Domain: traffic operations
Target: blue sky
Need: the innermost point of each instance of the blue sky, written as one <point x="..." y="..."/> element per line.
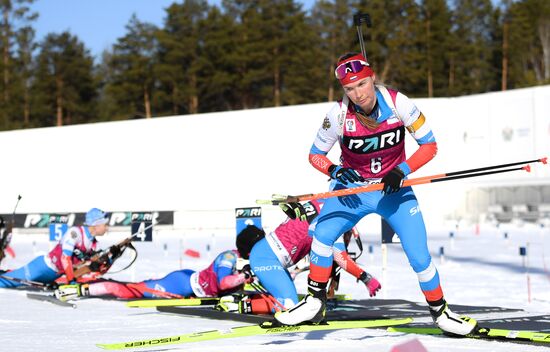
<point x="99" y="23"/>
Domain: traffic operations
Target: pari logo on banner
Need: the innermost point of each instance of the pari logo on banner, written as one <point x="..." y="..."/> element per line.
<point x="44" y="219"/>
<point x="116" y="218"/>
<point x="127" y="218"/>
<point x="142" y="226"/>
<point x="59" y="224"/>
<point x="248" y="216"/>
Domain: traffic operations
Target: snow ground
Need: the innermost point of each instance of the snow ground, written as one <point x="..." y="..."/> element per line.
<point x="483" y="270"/>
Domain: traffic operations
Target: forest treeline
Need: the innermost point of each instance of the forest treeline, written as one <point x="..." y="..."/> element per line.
<point x="244" y="54"/>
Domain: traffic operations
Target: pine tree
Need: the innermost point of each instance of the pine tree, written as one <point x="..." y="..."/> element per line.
<point x="250" y="55"/>
<point x="470" y="67"/>
<point x="179" y="45"/>
<point x="132" y="65"/>
<point x="64" y="84"/>
<point x="394" y="41"/>
<point x="332" y="20"/>
<point x="24" y="62"/>
<point x="436" y="17"/>
<point x="303" y="67"/>
<point x="16" y="17"/>
<point x="529" y="31"/>
<point x="218" y="62"/>
<point x="287" y="64"/>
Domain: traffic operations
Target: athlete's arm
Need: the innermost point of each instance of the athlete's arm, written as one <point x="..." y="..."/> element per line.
<point x="416" y="124"/>
<point x="342" y="258"/>
<point x="68" y="243"/>
<point x="227" y="274"/>
<point x="67" y="264"/>
<point x="232" y="281"/>
<point x="326" y="137"/>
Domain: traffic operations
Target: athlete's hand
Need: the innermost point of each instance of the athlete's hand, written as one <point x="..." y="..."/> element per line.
<point x="248" y="275"/>
<point x="294" y="210"/>
<point x="351" y="201"/>
<point x="345" y="175"/>
<point x="372" y="284"/>
<point x="95" y="266"/>
<point x="115" y="251"/>
<point x="393" y="181"/>
<point x="303" y="211"/>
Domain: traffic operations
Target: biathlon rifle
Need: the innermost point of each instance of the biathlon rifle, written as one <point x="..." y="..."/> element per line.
<point x="103" y="260"/>
<point x="5" y="237"/>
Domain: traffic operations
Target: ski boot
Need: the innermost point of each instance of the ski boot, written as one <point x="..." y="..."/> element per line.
<point x="451" y="323"/>
<point x="309" y="310"/>
<point x="70" y="292"/>
<point x="234" y="304"/>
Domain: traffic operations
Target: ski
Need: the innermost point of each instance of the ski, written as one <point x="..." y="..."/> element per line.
<point x="338" y="297"/>
<point x="209" y="313"/>
<point x="170" y="302"/>
<point x="51" y="299"/>
<point x="253" y="330"/>
<point x="485" y="333"/>
<point x="193" y="302"/>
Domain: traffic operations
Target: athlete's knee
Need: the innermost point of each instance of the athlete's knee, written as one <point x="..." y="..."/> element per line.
<point x="420" y="263"/>
<point x="325" y="235"/>
<point x="321" y="249"/>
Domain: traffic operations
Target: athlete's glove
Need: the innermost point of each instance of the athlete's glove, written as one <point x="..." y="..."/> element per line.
<point x="344" y="174"/>
<point x="304" y="212"/>
<point x="115" y="251"/>
<point x="351" y="201"/>
<point x="393" y="181"/>
<point x="372" y="284"/>
<point x="99" y="266"/>
<point x="95" y="266"/>
<point x="294" y="210"/>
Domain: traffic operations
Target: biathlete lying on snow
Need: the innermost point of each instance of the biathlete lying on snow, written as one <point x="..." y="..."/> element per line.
<point x="77" y="245"/>
<point x="272" y="254"/>
<point x="220" y="278"/>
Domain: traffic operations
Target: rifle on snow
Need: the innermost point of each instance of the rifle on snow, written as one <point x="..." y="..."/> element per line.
<point x="5" y="237"/>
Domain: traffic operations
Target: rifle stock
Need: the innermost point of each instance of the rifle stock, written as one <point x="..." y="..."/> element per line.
<point x="5" y="239"/>
<point x="103" y="257"/>
<point x="6" y="236"/>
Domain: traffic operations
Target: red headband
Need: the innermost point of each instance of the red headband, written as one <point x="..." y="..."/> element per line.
<point x="351" y="74"/>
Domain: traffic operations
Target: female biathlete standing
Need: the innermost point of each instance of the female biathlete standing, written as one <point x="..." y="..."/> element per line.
<point x="369" y="124"/>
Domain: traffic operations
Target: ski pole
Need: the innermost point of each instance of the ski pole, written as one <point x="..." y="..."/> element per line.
<point x="27" y="282"/>
<point x="493" y="167"/>
<point x="278" y="199"/>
